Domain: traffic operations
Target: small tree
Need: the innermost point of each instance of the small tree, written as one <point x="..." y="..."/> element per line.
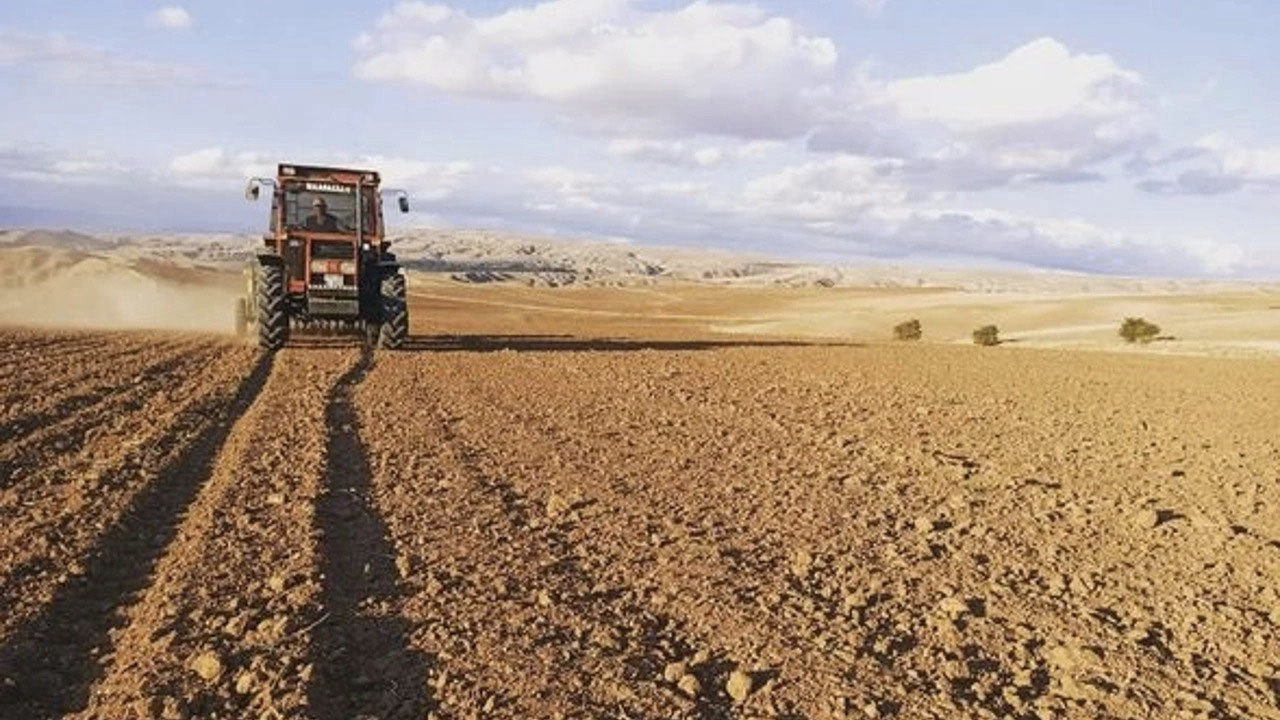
<point x="1135" y="329"/>
<point x="909" y="330"/>
<point x="986" y="335"/>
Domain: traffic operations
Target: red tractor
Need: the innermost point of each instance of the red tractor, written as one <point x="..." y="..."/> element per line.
<point x="325" y="266"/>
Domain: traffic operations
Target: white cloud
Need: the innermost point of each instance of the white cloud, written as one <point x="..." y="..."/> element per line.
<point x="426" y="180"/>
<point x="217" y="167"/>
<point x="757" y="149"/>
<point x="170" y="17"/>
<point x="657" y="79"/>
<point x="1071" y="243"/>
<point x="836" y="188"/>
<point x="838" y="204"/>
<point x="65" y="60"/>
<point x="44" y="165"/>
<point x="853" y="204"/>
<point x="666" y="152"/>
<point x="1257" y="164"/>
<point x="718" y="68"/>
<point x="1039" y="114"/>
<point x="214" y="166"/>
<point x="691" y="155"/>
<point x="834" y="204"/>
<point x="1219" y="164"/>
<point x="1039" y="82"/>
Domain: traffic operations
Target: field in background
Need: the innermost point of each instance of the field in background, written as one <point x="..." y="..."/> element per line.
<point x="1239" y="324"/>
<point x="70" y="280"/>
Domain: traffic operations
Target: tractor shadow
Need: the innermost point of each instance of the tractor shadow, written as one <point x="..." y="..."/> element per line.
<point x="49" y="664"/>
<point x="550" y="343"/>
<point x="573" y="343"/>
<point x="365" y="666"/>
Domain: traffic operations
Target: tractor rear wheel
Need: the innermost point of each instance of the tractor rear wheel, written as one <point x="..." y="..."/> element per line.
<point x="395" y="312"/>
<point x="273" y="320"/>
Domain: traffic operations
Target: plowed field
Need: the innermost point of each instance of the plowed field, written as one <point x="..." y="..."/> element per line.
<point x="572" y="521"/>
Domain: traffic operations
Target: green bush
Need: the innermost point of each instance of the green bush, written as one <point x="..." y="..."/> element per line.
<point x="909" y="330"/>
<point x="1138" y="330"/>
<point x="986" y="335"/>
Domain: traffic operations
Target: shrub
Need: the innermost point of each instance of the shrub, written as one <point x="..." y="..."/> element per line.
<point x="986" y="335"/>
<point x="1138" y="330"/>
<point x="909" y="330"/>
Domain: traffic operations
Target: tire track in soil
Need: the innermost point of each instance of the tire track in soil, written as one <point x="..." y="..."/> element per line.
<point x="224" y="629"/>
<point x="46" y="400"/>
<point x="23" y="355"/>
<point x="24" y="351"/>
<point x="47" y="419"/>
<point x="630" y="640"/>
<point x="27" y="341"/>
<point x="687" y="527"/>
<point x="521" y="621"/>
<point x="365" y="667"/>
<point x="33" y="366"/>
<point x="64" y="502"/>
<point x="47" y="667"/>
<point x="604" y="601"/>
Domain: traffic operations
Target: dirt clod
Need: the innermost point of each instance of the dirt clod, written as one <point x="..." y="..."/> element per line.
<point x="1146" y="518"/>
<point x="801" y="563"/>
<point x="557" y="506"/>
<point x="207" y="666"/>
<point x="689" y="685"/>
<point x="739" y="685"/>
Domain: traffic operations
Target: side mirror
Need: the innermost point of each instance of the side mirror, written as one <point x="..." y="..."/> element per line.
<point x="252" y="190"/>
<point x="404" y="203"/>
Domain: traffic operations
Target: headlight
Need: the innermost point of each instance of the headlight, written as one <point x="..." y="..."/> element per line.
<point x="344" y="267"/>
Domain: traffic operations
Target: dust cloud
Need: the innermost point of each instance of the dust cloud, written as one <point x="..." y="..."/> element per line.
<point x="49" y="287"/>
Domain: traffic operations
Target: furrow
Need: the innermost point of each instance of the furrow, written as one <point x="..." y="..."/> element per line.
<point x="55" y="408"/>
<point x="48" y="663"/>
<point x="224" y="629"/>
<point x="60" y="506"/>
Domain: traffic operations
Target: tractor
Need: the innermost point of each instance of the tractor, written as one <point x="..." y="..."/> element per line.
<point x="325" y="266"/>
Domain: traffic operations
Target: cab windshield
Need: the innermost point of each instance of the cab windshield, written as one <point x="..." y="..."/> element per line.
<point x="324" y="207"/>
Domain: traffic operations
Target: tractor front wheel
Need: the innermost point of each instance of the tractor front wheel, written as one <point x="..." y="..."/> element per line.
<point x="273" y="320"/>
<point x="395" y="312"/>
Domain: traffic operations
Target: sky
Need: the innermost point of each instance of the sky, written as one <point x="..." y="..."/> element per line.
<point x="1136" y="138"/>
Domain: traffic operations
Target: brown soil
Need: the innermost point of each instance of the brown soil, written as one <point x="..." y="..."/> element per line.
<point x="541" y="514"/>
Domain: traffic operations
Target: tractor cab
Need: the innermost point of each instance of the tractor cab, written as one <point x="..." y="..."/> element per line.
<point x="326" y="245"/>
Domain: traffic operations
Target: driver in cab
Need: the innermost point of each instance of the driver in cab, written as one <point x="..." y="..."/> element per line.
<point x="320" y="220"/>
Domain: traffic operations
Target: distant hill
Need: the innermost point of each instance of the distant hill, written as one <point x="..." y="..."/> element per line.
<point x="61" y="239"/>
<point x="489" y="256"/>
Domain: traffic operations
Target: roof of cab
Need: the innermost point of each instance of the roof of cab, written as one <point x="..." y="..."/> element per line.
<point x="311" y="171"/>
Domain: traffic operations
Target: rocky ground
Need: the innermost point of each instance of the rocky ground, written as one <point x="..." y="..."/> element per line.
<point x="530" y="515"/>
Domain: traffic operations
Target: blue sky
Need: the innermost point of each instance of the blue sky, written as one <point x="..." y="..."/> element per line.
<point x="1134" y="137"/>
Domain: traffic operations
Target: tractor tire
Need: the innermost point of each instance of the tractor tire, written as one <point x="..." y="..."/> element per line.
<point x="395" y="313"/>
<point x="242" y="318"/>
<point x="273" y="318"/>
